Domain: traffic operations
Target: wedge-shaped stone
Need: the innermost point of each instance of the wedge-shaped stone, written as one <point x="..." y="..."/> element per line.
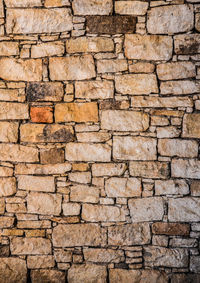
<point x="146" y="209"/>
<point x="136" y="8"/>
<point x="123" y="187"/>
<point x="129" y="234"/>
<point x="13" y="111"/>
<point x="7" y="186"/>
<point x="170" y="19"/>
<point x="171" y="187"/>
<point x="76" y="112"/>
<point x="36" y="183"/>
<point x="108" y="169"/>
<point x="9" y="48"/>
<point x="22" y="3"/>
<point x="121" y="120"/>
<point x="38" y="169"/>
<point x="87" y="152"/>
<point x="84" y="193"/>
<point x="183" y="168"/>
<point x="180" y="87"/>
<point x="30" y="246"/>
<point x="184" y="209"/>
<point x="191" y="124"/>
<point x="170" y="257"/>
<point x="70" y="235"/>
<point x="178" y="147"/>
<point x="87" y="273"/>
<point x="72" y="68"/>
<point x="44" y="203"/>
<point x="47" y="275"/>
<point x="12" y="270"/>
<point x="35" y="133"/>
<point x="47" y="49"/>
<point x="23" y="21"/>
<point x="136" y="84"/>
<point x="187" y="43"/>
<point x="148" y="47"/>
<point x="89" y="44"/>
<point x="92" y="7"/>
<point x="143" y="276"/>
<point x="134" y="148"/>
<point x="9" y="131"/>
<point x="18" y="153"/>
<point x="103" y="255"/>
<point x="12" y="69"/>
<point x="176" y="70"/>
<point x="103" y="213"/>
<point x="94" y="89"/>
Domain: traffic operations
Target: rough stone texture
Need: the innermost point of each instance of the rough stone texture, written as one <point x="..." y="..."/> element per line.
<point x="123" y="187"/>
<point x="171" y="187"/>
<point x="8" y="131"/>
<point x="185" y="168"/>
<point x="32" y="246"/>
<point x="7" y="186"/>
<point x="92" y="7"/>
<point x="103" y="255"/>
<point x="176" y="70"/>
<point x="36" y="183"/>
<point x="22" y="3"/>
<point x="108" y="169"/>
<point x="42" y="275"/>
<point x="83" y="193"/>
<point x="9" y="48"/>
<point x="136" y="8"/>
<point x="48" y="91"/>
<point x="41" y="114"/>
<point x="12" y="270"/>
<point x="172" y="229"/>
<point x="154" y="170"/>
<point x="187" y="43"/>
<point x="191" y="125"/>
<point x="18" y="153"/>
<point x="47" y="49"/>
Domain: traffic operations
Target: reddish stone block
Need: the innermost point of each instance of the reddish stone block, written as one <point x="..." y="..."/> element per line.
<point x="41" y="114"/>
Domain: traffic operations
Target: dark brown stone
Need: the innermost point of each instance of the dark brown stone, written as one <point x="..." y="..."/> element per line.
<point x="47" y="276"/>
<point x="48" y="91"/>
<point x="187" y="44"/>
<point x="110" y="104"/>
<point x="172" y="229"/>
<point x="4" y="251"/>
<point x="195" y="188"/>
<point x="110" y="24"/>
<point x="185" y="278"/>
<point x="52" y="156"/>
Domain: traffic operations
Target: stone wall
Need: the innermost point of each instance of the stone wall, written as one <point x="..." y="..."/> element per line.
<point x="99" y="141"/>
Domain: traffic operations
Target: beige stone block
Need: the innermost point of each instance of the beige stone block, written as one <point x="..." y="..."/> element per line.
<point x="185" y="168"/>
<point x="171" y="187"/>
<point x="6" y="222"/>
<point x="36" y="183"/>
<point x="9" y="48"/>
<point x="123" y="187"/>
<point x="13" y="111"/>
<point x="22" y="3"/>
<point x="47" y="49"/>
<point x="70" y="209"/>
<point x="92" y="7"/>
<point x="93" y="137"/>
<point x="103" y="255"/>
<point x="180" y="87"/>
<point x="136" y="8"/>
<point x="12" y="270"/>
<point x="84" y="193"/>
<point x="80" y="177"/>
<point x="9" y="131"/>
<point x="191" y="125"/>
<point x="40" y="261"/>
<point x="108" y="169"/>
<point x="112" y="66"/>
<point x="38" y="169"/>
<point x="141" y="67"/>
<point x="7" y="187"/>
<point x="176" y="70"/>
<point x="30" y="246"/>
<point x="56" y="3"/>
<point x="2" y="206"/>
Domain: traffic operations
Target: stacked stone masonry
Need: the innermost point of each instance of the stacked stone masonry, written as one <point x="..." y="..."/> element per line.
<point x="99" y="141"/>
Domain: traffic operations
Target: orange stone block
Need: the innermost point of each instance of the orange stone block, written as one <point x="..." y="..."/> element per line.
<point x="41" y="114"/>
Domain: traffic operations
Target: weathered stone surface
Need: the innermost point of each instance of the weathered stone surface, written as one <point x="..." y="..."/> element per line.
<point x="178" y="147"/>
<point x="6" y="222"/>
<point x="56" y="3"/>
<point x="171" y="187"/>
<point x="191" y="125"/>
<point x="180" y="87"/>
<point x="2" y="206"/>
<point x="93" y="137"/>
<point x="71" y="68"/>
<point x="136" y="8"/>
<point x="197" y="21"/>
<point x="195" y="264"/>
<point x="148" y="47"/>
<point x="40" y="261"/>
<point x="36" y="183"/>
<point x="9" y="48"/>
<point x="185" y="168"/>
<point x="146" y="209"/>
<point x="195" y="188"/>
<point x="41" y="114"/>
<point x="22" y="3"/>
<point x="13" y="111"/>
<point x="13" y="270"/>
<point x="77" y="112"/>
<point x="46" y="275"/>
<point x="184" y="209"/>
<point x="92" y="7"/>
<point x="84" y="193"/>
<point x="136" y="84"/>
<point x="110" y="24"/>
<point x="134" y="148"/>
<point x="183" y="243"/>
<point x="18" y="153"/>
<point x="45" y="91"/>
<point x="89" y="44"/>
<point x="80" y="177"/>
<point x="112" y="66"/>
<point x="170" y="257"/>
<point x="30" y="246"/>
<point x="63" y="256"/>
<point x="123" y="187"/>
<point x="124" y="120"/>
<point x="47" y="49"/>
<point x="144" y="276"/>
<point x="87" y="273"/>
<point x="23" y="21"/>
<point x="94" y="89"/>
<point x="185" y="277"/>
<point x="108" y="169"/>
<point x="38" y="169"/>
<point x="129" y="234"/>
<point x="176" y="70"/>
<point x="87" y="152"/>
<point x="52" y="156"/>
<point x="70" y="209"/>
<point x="43" y="203"/>
<point x="66" y="235"/>
<point x="142" y="67"/>
<point x="11" y="95"/>
<point x="7" y="186"/>
<point x="34" y="133"/>
<point x="6" y="171"/>
<point x="187" y="43"/>
<point x="170" y="19"/>
<point x="171" y="229"/>
<point x="154" y="170"/>
<point x="96" y="213"/>
<point x="8" y="131"/>
<point x="103" y="255"/>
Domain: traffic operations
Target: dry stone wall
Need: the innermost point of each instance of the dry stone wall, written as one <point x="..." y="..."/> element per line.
<point x="99" y="141"/>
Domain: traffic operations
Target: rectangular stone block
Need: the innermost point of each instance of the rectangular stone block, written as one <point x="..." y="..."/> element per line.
<point x="187" y="43"/>
<point x="148" y="47"/>
<point x="108" y="169"/>
<point x="154" y="170"/>
<point x="184" y="209"/>
<point x="47" y="49"/>
<point x="65" y="235"/>
<point x="123" y="187"/>
<point x="38" y="169"/>
<point x="36" y="183"/>
<point x="30" y="246"/>
<point x="12" y="69"/>
<point x="110" y="24"/>
<point x="136" y="8"/>
<point x="9" y="131"/>
<point x="40" y="261"/>
<point x="72" y="68"/>
<point x="22" y="3"/>
<point x="183" y="168"/>
<point x="76" y="112"/>
<point x="6" y="222"/>
<point x="134" y="148"/>
<point x="171" y="229"/>
<point x="176" y="70"/>
<point x="7" y="187"/>
<point x="13" y="111"/>
<point x="171" y="187"/>
<point x="122" y="120"/>
<point x="112" y="65"/>
<point x="84" y="193"/>
<point x="42" y="275"/>
<point x="191" y="125"/>
<point x="9" y="48"/>
<point x="34" y="133"/>
<point x="181" y="87"/>
<point x="2" y="206"/>
<point x="13" y="269"/>
<point x="136" y="84"/>
<point x="92" y="7"/>
<point x="195" y="188"/>
<point x="103" y="255"/>
<point x="87" y="152"/>
<point x="25" y="21"/>
<point x="71" y="209"/>
<point x="146" y="209"/>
